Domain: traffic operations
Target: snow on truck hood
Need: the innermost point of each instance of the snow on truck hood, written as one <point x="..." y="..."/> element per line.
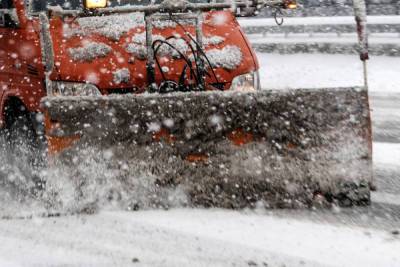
<point x="110" y="51"/>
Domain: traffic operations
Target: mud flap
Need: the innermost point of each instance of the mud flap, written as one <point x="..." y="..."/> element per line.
<point x="228" y="149"/>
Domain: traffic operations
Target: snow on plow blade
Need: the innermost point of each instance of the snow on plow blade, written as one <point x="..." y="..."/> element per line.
<point x="230" y="149"/>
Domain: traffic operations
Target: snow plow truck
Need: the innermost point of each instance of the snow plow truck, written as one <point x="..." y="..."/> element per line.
<point x="171" y="89"/>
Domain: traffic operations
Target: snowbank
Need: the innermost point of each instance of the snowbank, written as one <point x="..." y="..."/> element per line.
<point x="253" y="22"/>
<point x="386" y="38"/>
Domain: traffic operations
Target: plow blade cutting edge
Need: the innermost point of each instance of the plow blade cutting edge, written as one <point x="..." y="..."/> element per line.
<point x="228" y="149"/>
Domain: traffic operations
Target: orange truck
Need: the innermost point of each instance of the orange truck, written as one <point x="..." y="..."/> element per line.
<point x="177" y="81"/>
<point x="112" y="61"/>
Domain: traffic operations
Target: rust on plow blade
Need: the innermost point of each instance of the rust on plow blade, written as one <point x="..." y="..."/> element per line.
<point x="305" y="146"/>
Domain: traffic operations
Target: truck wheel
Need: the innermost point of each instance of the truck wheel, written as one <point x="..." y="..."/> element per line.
<point x="21" y="139"/>
<point x="26" y="151"/>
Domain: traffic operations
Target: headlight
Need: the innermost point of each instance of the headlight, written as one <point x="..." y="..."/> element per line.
<point x="74" y="89"/>
<point x="246" y="82"/>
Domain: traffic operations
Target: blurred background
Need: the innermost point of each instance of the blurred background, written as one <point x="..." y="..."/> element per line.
<point x="341" y="8"/>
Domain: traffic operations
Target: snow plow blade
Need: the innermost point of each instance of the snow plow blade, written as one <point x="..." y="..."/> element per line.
<point x="285" y="149"/>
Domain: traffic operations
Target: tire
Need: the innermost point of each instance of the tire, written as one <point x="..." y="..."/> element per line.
<point x="23" y="141"/>
<point x="25" y="151"/>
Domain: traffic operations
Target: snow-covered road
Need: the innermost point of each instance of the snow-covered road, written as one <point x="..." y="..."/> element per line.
<point x="313" y="71"/>
<point x="192" y="238"/>
<point x="366" y="236"/>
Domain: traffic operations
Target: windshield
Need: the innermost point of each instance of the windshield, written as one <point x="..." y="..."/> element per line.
<point x="39" y="5"/>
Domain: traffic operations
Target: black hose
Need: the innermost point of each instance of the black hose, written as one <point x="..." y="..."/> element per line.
<point x="276" y="11"/>
<point x="199" y="48"/>
<point x="188" y="62"/>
